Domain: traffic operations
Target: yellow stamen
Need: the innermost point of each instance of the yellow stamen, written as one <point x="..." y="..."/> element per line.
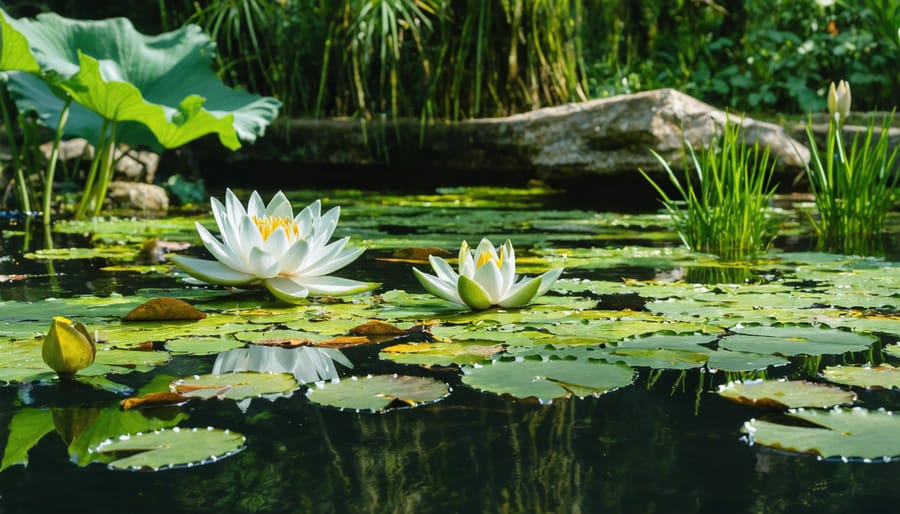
<point x="485" y="257"/>
<point x="269" y="224"/>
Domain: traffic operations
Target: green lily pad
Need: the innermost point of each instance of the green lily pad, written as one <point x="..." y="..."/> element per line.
<point x="796" y="340"/>
<point x="546" y="381"/>
<point x="202" y="345"/>
<point x="116" y="253"/>
<point x="235" y="386"/>
<point x="26" y="428"/>
<point x="785" y="394"/>
<point x="724" y="360"/>
<point x="441" y="354"/>
<point x="845" y="434"/>
<point x="378" y="393"/>
<point x="172" y="448"/>
<point x="884" y="376"/>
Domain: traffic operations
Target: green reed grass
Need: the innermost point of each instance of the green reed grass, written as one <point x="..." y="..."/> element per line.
<point x="855" y="190"/>
<point x="721" y="203"/>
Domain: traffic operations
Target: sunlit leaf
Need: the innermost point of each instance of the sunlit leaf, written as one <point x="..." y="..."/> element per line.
<point x="378" y="393"/>
<point x="884" y="376"/>
<point x="837" y="434"/>
<point x="172" y="448"/>
<point x="546" y="381"/>
<point x="795" y="340"/>
<point x="26" y="428"/>
<point x="235" y="386"/>
<point x="785" y="394"/>
<point x="164" y="309"/>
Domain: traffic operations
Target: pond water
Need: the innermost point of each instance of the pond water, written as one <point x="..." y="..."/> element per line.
<point x="665" y="441"/>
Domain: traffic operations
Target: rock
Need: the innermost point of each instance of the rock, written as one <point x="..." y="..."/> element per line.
<point x="131" y="165"/>
<point x="610" y="136"/>
<point x="137" y="196"/>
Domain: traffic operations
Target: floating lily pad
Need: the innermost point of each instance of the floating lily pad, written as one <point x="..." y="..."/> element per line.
<point x="785" y="394"/>
<point x="235" y="386"/>
<point x="378" y="393"/>
<point x="202" y="345"/>
<point x="796" y="340"/>
<point x="117" y="253"/>
<point x="884" y="376"/>
<point x="172" y="448"/>
<point x="838" y="433"/>
<point x="546" y="381"/>
<point x="725" y="360"/>
<point x="440" y="353"/>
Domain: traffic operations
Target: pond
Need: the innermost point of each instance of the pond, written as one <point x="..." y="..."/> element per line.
<point x="614" y="392"/>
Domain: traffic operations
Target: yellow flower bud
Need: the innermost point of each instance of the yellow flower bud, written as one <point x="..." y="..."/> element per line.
<point x="68" y="347"/>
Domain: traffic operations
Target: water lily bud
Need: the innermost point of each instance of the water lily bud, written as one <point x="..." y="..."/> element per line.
<point x="68" y="347"/>
<point x="839" y="100"/>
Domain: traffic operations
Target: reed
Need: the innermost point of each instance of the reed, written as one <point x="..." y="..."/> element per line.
<point x="720" y="206"/>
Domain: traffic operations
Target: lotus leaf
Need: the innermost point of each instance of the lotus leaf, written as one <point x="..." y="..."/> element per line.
<point x="378" y="393"/>
<point x="172" y="448"/>
<point x="785" y="394"/>
<point x="235" y="386"/>
<point x="546" y="381"/>
<point x="795" y="340"/>
<point x="837" y="434"/>
<point x="884" y="376"/>
<point x="441" y="354"/>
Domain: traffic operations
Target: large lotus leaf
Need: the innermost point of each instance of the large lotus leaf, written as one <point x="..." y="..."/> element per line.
<point x="548" y="380"/>
<point x="785" y="394"/>
<point x="15" y="54"/>
<point x="172" y="448"/>
<point x="840" y="433"/>
<point x="169" y="72"/>
<point x="378" y="393"/>
<point x="235" y="386"/>
<point x="795" y="340"/>
<point x="656" y="358"/>
<point x="884" y="376"/>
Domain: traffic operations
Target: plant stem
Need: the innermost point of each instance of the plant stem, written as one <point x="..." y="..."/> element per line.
<point x="92" y="173"/>
<point x="106" y="176"/>
<point x="54" y="158"/>
<point x="21" y="186"/>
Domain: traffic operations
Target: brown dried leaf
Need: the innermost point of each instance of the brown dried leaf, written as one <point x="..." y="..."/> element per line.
<point x="285" y="342"/>
<point x="161" y="398"/>
<point x="344" y="341"/>
<point x="377" y="328"/>
<point x="418" y="255"/>
<point x="164" y="309"/>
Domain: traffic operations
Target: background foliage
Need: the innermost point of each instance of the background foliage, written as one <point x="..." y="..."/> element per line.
<point x="465" y="58"/>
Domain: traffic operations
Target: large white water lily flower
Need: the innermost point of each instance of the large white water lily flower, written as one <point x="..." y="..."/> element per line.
<point x="289" y="254"/>
<point x="485" y="279"/>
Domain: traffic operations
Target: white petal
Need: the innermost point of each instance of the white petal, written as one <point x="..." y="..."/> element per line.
<point x="248" y="234"/>
<point x="213" y="272"/>
<point x="256" y="207"/>
<point x="234" y="208"/>
<point x="320" y="256"/>
<point x="508" y="266"/>
<point x="327" y="223"/>
<point x="485" y="246"/>
<point x="489" y="278"/>
<point x="466" y="264"/>
<point x="438" y="287"/>
<point x="443" y="269"/>
<point x="334" y="286"/>
<point x="547" y="280"/>
<point x="286" y="289"/>
<point x="294" y="257"/>
<point x="326" y="267"/>
<point x="221" y="252"/>
<point x="280" y="207"/>
<point x="262" y="264"/>
<point x="277" y="243"/>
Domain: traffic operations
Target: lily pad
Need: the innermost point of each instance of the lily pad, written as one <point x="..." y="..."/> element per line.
<point x="546" y="381"/>
<point x="440" y="353"/>
<point x="785" y="394"/>
<point x="796" y="340"/>
<point x="845" y="434"/>
<point x="172" y="448"/>
<point x="884" y="376"/>
<point x="235" y="386"/>
<point x="202" y="345"/>
<point x="378" y="393"/>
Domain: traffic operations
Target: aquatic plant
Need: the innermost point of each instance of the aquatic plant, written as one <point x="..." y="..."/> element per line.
<point x="722" y="208"/>
<point x="485" y="280"/>
<point x="106" y="82"/>
<point x="68" y="347"/>
<point x="290" y="255"/>
<point x="853" y="190"/>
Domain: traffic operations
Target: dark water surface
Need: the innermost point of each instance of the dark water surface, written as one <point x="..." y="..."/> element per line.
<point x="670" y="447"/>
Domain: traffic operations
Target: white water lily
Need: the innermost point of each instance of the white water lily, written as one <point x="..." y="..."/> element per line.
<point x="290" y="255"/>
<point x="485" y="279"/>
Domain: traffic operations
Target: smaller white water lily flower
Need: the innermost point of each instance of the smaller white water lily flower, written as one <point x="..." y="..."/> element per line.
<point x="68" y="347"/>
<point x="839" y="100"/>
<point x="290" y="255"/>
<point x="485" y="279"/>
